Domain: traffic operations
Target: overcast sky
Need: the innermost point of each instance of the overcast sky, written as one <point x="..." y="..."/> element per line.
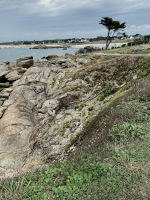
<point x="52" y="19"/>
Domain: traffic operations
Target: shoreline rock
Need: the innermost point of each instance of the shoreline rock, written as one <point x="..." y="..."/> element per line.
<point x="142" y="48"/>
<point x="88" y="49"/>
<point x="31" y="113"/>
<point x="25" y="62"/>
<point x="42" y="46"/>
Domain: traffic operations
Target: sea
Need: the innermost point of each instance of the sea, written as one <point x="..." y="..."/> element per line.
<point x="11" y="54"/>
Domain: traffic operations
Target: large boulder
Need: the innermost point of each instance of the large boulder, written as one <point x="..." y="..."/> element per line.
<point x="50" y="57"/>
<point x="25" y="62"/>
<point x="142" y="48"/>
<point x="91" y="49"/>
<point x="40" y="46"/>
<point x="88" y="49"/>
<point x="13" y="76"/>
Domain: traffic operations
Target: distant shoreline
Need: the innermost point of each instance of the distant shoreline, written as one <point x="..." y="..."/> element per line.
<point x="29" y="46"/>
<point x="116" y="44"/>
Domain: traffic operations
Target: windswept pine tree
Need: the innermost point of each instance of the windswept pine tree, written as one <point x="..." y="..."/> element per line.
<point x="114" y="28"/>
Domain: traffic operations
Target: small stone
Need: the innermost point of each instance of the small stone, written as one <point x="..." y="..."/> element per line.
<point x="134" y="77"/>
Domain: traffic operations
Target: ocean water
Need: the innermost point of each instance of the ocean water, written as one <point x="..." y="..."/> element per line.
<point x="11" y="54"/>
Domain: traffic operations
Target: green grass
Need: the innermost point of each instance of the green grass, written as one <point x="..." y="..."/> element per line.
<point x="112" y="158"/>
<point x="117" y="169"/>
<point x="122" y="50"/>
<point x="80" y="106"/>
<point x="128" y="68"/>
<point x="107" y="89"/>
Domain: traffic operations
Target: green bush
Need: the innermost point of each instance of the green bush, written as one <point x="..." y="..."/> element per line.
<point x="107" y="89"/>
<point x="123" y="45"/>
<point x="91" y="108"/>
<point x="127" y="131"/>
<point x="80" y="106"/>
<point x="129" y="44"/>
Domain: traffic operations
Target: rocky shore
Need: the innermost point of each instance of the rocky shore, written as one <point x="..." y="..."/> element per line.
<point x="50" y="46"/>
<point x="41" y="108"/>
<point x="44" y="105"/>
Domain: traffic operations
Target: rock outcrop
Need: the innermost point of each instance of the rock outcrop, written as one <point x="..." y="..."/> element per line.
<point x="88" y="49"/>
<point x="50" y="57"/>
<point x="25" y="62"/>
<point x="142" y="48"/>
<point x="42" y="46"/>
<point x="44" y="106"/>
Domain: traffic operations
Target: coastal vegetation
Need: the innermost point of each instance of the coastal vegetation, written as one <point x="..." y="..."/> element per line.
<point x="111" y="160"/>
<point x="108" y="158"/>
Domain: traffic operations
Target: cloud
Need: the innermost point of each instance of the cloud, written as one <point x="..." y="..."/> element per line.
<point x="62" y="7"/>
<point x="143" y="29"/>
<point x="50" y="19"/>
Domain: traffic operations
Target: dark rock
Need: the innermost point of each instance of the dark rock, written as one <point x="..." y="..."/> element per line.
<point x="88" y="49"/>
<point x="68" y="54"/>
<point x="69" y="99"/>
<point x="4" y="85"/>
<point x="25" y="62"/>
<point x="6" y="62"/>
<point x="29" y="57"/>
<point x="2" y="76"/>
<point x="62" y="61"/>
<point x="50" y="57"/>
<point x="91" y="49"/>
<point x="81" y="50"/>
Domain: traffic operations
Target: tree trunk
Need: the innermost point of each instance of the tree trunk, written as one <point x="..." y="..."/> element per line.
<point x="107" y="43"/>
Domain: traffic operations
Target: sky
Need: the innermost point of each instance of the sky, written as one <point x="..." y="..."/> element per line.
<point x="56" y="19"/>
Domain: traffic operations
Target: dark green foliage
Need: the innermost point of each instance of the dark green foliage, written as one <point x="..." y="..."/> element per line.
<point x="129" y="44"/>
<point x="127" y="131"/>
<point x="113" y="27"/>
<point x="107" y="89"/>
<point x="147" y="38"/>
<point x="80" y="106"/>
<point x="85" y="179"/>
<point x="91" y="108"/>
<point x="123" y="45"/>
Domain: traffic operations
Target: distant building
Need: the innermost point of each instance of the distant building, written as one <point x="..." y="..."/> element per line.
<point x="84" y="40"/>
<point x="60" y="41"/>
<point x="137" y="36"/>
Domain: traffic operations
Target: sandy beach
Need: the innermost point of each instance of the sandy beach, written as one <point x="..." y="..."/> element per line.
<point x="100" y="45"/>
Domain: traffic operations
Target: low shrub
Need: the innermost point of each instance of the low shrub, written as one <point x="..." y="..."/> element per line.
<point x="127" y="131"/>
